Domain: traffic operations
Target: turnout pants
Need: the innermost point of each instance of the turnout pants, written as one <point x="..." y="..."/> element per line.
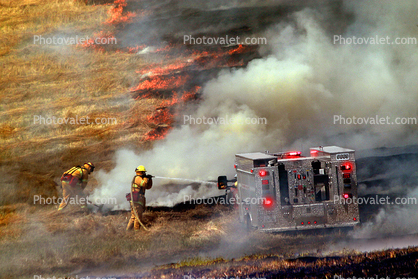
<point x="140" y="208"/>
<point x="72" y="195"/>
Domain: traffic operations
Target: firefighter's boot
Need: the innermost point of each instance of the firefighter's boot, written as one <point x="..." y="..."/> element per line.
<point x="139" y="209"/>
<point x="130" y="225"/>
<point x="131" y="222"/>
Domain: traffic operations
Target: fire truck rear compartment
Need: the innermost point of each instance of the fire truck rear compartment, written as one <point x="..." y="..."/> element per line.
<point x="297" y="192"/>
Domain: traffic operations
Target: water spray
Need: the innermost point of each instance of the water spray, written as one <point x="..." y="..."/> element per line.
<point x="185" y="180"/>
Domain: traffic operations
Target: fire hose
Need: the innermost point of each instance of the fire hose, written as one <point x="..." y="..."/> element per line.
<point x="99" y="206"/>
<point x="136" y="213"/>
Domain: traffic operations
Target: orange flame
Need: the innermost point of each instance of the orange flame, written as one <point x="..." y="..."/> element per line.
<point x="191" y="95"/>
<point x="161" y="83"/>
<point x="91" y="42"/>
<point x="239" y="49"/>
<point x="117" y="14"/>
<point x="164" y="118"/>
<point x="157" y="134"/>
<point x="164" y="70"/>
<point x="161" y="116"/>
<point x="135" y="49"/>
<point x="169" y="103"/>
<point x="166" y="48"/>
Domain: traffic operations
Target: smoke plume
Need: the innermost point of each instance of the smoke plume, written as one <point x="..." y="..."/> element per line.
<point x="302" y="81"/>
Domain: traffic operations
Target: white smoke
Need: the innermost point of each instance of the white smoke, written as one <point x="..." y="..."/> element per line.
<point x="393" y="219"/>
<point x="303" y="80"/>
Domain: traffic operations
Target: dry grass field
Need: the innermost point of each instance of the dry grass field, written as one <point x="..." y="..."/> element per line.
<point x="61" y="81"/>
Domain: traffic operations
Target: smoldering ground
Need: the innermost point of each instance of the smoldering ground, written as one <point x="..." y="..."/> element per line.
<point x="73" y="243"/>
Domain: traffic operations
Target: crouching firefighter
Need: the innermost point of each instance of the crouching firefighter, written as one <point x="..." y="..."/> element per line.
<point x="73" y="182"/>
<point x="136" y="197"/>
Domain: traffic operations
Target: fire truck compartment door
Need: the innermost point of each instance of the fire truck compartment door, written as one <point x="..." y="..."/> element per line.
<point x="316" y="210"/>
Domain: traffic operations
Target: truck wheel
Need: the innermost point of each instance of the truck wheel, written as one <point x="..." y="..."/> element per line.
<point x="248" y="226"/>
<point x="236" y="206"/>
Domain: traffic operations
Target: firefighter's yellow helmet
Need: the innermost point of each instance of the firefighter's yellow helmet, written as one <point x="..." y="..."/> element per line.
<point x="91" y="166"/>
<point x="140" y="168"/>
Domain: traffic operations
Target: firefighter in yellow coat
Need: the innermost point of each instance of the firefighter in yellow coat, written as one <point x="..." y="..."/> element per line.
<point x="73" y="183"/>
<point x="136" y="197"/>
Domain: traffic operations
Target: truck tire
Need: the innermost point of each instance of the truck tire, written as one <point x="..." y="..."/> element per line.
<point x="248" y="226"/>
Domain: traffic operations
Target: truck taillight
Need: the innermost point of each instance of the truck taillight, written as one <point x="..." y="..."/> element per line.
<point x="346" y="167"/>
<point x="268" y="202"/>
<point x="235" y="166"/>
<point x="262" y="172"/>
<point x="347" y="195"/>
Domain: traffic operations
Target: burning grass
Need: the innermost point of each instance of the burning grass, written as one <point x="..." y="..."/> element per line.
<point x="118" y="14"/>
